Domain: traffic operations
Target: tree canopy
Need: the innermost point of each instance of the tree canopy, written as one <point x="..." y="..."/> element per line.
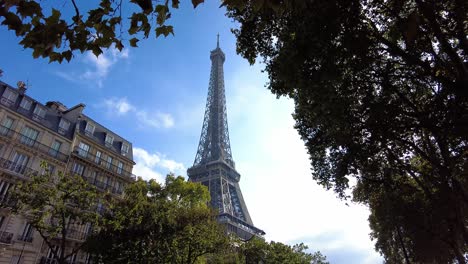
<point x="59" y="207"/>
<point x="80" y="26"/>
<point x="258" y="251"/>
<point x="381" y="95"/>
<point x="156" y="223"/>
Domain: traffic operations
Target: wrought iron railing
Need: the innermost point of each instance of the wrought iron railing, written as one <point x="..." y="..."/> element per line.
<point x="103" y="185"/>
<point x="6" y="237"/>
<point x="32" y="143"/>
<point x="17" y="168"/>
<point x="7" y="201"/>
<point x="102" y="163"/>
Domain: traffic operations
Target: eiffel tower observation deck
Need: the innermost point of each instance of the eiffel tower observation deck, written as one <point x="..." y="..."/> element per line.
<point x="214" y="166"/>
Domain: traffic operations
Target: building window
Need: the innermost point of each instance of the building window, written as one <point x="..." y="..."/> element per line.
<point x="109" y="140"/>
<point x="4" y="187"/>
<point x="49" y="169"/>
<point x="89" y="130"/>
<point x="124" y="149"/>
<point x="88" y="259"/>
<point x="109" y="162"/>
<point x="27" y="235"/>
<point x="16" y="259"/>
<point x="26" y="104"/>
<point x="119" y="167"/>
<point x="55" y="148"/>
<point x="2" y="219"/>
<point x="5" y="129"/>
<point x="19" y="162"/>
<point x="29" y="136"/>
<point x="92" y="177"/>
<point x="39" y="113"/>
<point x="72" y="259"/>
<point x="78" y="169"/>
<point x="83" y="149"/>
<point x="9" y="97"/>
<point x="97" y="159"/>
<point x="64" y="125"/>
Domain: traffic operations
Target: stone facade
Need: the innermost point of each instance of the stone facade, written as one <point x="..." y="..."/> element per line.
<point x="69" y="141"/>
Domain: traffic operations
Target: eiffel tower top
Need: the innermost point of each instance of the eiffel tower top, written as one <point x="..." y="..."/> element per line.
<point x="214" y="142"/>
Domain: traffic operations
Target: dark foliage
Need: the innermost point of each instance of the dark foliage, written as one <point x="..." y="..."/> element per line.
<point x="381" y="95"/>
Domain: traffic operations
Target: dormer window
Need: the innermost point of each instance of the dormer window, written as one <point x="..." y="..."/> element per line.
<point x="9" y="97"/>
<point x="26" y="104"/>
<point x="39" y="113"/>
<point x="109" y="140"/>
<point x="124" y="149"/>
<point x="64" y="125"/>
<point x="89" y="129"/>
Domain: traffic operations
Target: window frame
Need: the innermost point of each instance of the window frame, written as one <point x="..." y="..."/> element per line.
<point x="39" y="112"/>
<point x="9" y="97"/>
<point x="107" y="141"/>
<point x="124" y="149"/>
<point x="30" y="102"/>
<point x="83" y="151"/>
<point x="120" y="167"/>
<point x="27" y="137"/>
<point x="109" y="162"/>
<point x="63" y="129"/>
<point x="89" y="131"/>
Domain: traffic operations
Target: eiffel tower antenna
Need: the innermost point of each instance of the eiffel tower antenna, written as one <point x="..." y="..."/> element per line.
<point x="213" y="165"/>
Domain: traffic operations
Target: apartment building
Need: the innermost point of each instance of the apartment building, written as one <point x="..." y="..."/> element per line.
<point x="69" y="141"/>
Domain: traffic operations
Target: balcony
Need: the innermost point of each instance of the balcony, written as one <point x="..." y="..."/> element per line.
<point x="28" y="239"/>
<point x="6" y="201"/>
<point x="103" y="186"/>
<point x="17" y="168"/>
<point x="84" y="154"/>
<point x="14" y="136"/>
<point x="6" y="237"/>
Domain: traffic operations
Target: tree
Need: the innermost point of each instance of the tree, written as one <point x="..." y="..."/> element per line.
<point x="155" y="223"/>
<point x="258" y="251"/>
<point x="380" y="92"/>
<point x="56" y="34"/>
<point x="57" y="207"/>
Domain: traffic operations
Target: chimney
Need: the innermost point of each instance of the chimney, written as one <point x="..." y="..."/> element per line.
<point x="56" y="105"/>
<point x="21" y="87"/>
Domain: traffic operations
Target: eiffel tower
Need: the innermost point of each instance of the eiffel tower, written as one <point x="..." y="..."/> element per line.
<point x="214" y="166"/>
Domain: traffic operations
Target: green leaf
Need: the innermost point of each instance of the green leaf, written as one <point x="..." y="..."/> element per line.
<point x="197" y="2"/>
<point x="67" y="55"/>
<point x="96" y="50"/>
<point x="119" y="45"/>
<point x="164" y="30"/>
<point x="133" y="42"/>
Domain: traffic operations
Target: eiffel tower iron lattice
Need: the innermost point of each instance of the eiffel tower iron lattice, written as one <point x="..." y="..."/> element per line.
<point x="213" y="165"/>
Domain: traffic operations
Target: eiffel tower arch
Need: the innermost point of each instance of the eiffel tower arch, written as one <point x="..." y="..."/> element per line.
<point x="213" y="165"/>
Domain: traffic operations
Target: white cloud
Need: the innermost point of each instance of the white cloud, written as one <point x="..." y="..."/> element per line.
<point x="121" y="106"/>
<point x="156" y="119"/>
<point x="154" y="165"/>
<point x="96" y="69"/>
<point x="118" y="105"/>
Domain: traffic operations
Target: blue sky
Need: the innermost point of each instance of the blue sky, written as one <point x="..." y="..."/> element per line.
<point x="155" y="95"/>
